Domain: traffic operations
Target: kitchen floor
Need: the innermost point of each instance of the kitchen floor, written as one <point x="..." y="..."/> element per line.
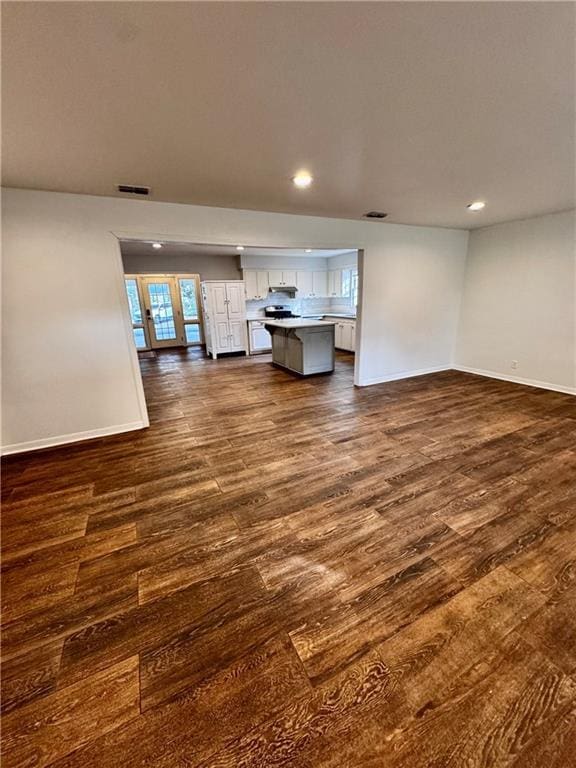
<point x="295" y="572"/>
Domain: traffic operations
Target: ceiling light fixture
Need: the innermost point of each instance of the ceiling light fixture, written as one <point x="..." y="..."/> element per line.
<point x="156" y="245"/>
<point x="308" y="250"/>
<point x="302" y="180"/>
<point x="239" y="247"/>
<point x="476" y="206"/>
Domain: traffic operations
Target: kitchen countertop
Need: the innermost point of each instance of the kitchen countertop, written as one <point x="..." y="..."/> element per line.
<point x="312" y="315"/>
<point x="296" y="322"/>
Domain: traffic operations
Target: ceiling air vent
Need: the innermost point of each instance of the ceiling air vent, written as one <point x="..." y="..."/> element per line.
<point x="131" y="189"/>
<point x="375" y="215"/>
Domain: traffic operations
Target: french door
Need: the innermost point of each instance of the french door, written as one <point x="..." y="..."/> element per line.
<point x="164" y="310"/>
<point x="162" y="314"/>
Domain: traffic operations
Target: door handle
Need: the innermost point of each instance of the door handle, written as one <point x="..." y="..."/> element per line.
<point x="148" y="314"/>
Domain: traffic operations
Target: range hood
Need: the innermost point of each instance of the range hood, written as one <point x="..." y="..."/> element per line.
<point x="290" y="289"/>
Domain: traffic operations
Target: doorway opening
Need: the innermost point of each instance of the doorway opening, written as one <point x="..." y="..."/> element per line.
<point x="199" y="301"/>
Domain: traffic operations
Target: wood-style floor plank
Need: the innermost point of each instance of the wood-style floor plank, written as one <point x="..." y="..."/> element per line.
<point x="299" y="573"/>
<point x="48" y="728"/>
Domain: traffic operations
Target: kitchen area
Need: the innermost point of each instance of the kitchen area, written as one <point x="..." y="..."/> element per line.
<point x="310" y="290"/>
<point x="298" y="305"/>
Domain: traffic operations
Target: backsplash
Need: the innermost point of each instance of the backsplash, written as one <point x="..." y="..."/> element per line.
<point x="342" y="305"/>
<point x="299" y="306"/>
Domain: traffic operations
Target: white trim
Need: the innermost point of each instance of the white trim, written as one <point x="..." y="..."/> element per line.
<point x="404" y="375"/>
<point x="517" y="380"/>
<point x="359" y="315"/>
<point x="128" y="328"/>
<point x="476" y="371"/>
<point x="75" y="437"/>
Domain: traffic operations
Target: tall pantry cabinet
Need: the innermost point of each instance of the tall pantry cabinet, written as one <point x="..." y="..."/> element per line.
<point x="224" y="307"/>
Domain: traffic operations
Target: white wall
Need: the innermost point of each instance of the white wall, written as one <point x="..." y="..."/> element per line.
<point x="519" y="302"/>
<point x="284" y="262"/>
<point x="343" y="260"/>
<point x="70" y="367"/>
<point x="411" y="286"/>
<point x="217" y="267"/>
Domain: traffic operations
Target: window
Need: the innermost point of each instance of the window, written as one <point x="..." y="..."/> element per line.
<point x="354" y="286"/>
<point x="190" y="314"/>
<point x="134" y="300"/>
<point x="192" y="334"/>
<point x="136" y="315"/>
<point x="139" y="338"/>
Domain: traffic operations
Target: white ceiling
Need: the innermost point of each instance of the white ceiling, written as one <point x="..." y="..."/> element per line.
<point x="139" y="247"/>
<point x="411" y="108"/>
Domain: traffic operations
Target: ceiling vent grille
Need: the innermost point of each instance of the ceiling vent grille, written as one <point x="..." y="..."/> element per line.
<point x="131" y="189"/>
<point x="375" y="215"/>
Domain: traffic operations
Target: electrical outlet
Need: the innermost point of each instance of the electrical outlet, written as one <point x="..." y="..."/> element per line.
<point x="514" y="364"/>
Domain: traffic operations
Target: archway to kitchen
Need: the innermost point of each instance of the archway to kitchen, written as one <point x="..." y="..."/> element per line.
<point x="192" y="302"/>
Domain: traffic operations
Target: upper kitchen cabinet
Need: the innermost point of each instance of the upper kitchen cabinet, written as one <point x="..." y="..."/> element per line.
<point x="320" y="284"/>
<point x="281" y="278"/>
<point x="312" y="285"/>
<point x="304" y="285"/>
<point x="339" y="283"/>
<point x="257" y="284"/>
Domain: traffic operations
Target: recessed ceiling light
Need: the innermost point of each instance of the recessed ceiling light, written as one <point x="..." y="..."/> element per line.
<point x="476" y="206"/>
<point x="239" y="247"/>
<point x="302" y="179"/>
<point x="308" y="250"/>
<point x="156" y="245"/>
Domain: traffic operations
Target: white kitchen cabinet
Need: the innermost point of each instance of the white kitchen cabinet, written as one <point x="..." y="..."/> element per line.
<point x="333" y="278"/>
<point x="319" y="284"/>
<point x="338" y="335"/>
<point x="274" y="277"/>
<point x="312" y="285"/>
<point x="345" y="335"/>
<point x="281" y="278"/>
<point x="339" y="283"/>
<point x="258" y="337"/>
<point x="224" y="307"/>
<point x="304" y="284"/>
<point x="256" y="283"/>
<point x="348" y="336"/>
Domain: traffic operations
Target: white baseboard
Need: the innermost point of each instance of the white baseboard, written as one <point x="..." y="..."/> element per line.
<point x="476" y="371"/>
<point x="74" y="437"/>
<point x="517" y="380"/>
<point x="403" y="375"/>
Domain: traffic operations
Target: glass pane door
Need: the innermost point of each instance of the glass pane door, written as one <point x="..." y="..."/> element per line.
<point x="136" y="314"/>
<point x="188" y="287"/>
<point x="164" y="321"/>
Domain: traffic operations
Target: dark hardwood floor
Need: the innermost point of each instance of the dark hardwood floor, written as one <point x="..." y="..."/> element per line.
<point x="290" y="572"/>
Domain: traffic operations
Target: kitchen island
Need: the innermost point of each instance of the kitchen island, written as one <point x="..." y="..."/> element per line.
<point x="303" y="346"/>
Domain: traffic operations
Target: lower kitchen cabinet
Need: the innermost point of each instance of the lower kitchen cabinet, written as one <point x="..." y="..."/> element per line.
<point x="258" y="337"/>
<point x="345" y="335"/>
